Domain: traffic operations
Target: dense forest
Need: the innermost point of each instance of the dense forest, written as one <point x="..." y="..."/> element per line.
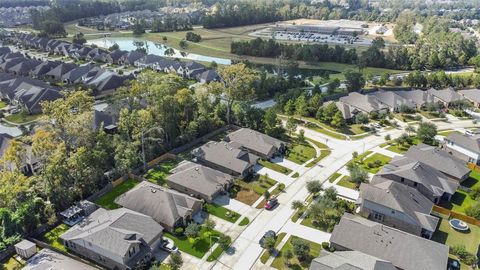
<point x="23" y="3"/>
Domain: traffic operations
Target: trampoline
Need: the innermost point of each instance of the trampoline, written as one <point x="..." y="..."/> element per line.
<point x="458" y="225"/>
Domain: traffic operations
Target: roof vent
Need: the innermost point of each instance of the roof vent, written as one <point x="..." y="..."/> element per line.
<point x="153" y="190"/>
<point x="196" y="169"/>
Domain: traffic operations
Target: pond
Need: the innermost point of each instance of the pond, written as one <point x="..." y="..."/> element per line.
<point x="131" y="44"/>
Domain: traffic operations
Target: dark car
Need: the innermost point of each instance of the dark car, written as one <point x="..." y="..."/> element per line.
<point x="270" y="204"/>
<point x="453" y="264"/>
<point x="168" y="245"/>
<point x="267" y="234"/>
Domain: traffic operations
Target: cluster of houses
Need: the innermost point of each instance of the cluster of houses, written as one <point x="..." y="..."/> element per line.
<point x="395" y="220"/>
<point x="16" y="16"/>
<point x="393" y="101"/>
<point x="121" y="238"/>
<point x="190" y="70"/>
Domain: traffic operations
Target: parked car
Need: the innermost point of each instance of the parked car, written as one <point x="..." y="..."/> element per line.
<point x="453" y="264"/>
<point x="168" y="245"/>
<point x="267" y="234"/>
<point x="270" y="204"/>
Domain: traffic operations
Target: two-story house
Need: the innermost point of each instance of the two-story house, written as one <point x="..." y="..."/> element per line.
<point x="466" y="148"/>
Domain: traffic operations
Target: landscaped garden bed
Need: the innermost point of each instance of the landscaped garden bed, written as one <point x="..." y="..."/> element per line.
<point x="108" y="200"/>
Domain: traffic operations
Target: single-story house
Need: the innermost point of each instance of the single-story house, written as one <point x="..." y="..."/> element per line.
<point x="226" y="157"/>
<point x="430" y="182"/>
<point x="404" y="250"/>
<point x="349" y="260"/>
<point x="115" y="239"/>
<point x="199" y="181"/>
<point x="445" y="97"/>
<point x="392" y="100"/>
<point x="363" y="103"/>
<point x="472" y="95"/>
<point x="418" y="97"/>
<point x="398" y="206"/>
<point x="256" y="143"/>
<point x="451" y="166"/>
<point x="169" y="208"/>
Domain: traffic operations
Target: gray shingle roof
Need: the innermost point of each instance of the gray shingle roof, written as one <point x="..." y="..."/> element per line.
<point x="200" y="178"/>
<point x="401" y="198"/>
<point x="349" y="260"/>
<point x="421" y="173"/>
<point x="446" y="95"/>
<point x="418" y="97"/>
<point x="471" y="143"/>
<point x="225" y="155"/>
<point x="251" y="139"/>
<point x="471" y="94"/>
<point x="113" y="230"/>
<point x="165" y="206"/>
<point x="365" y="103"/>
<point x="391" y="99"/>
<point x="404" y="250"/>
<point x="439" y="160"/>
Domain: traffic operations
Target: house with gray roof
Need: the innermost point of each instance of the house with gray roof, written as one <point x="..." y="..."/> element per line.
<point x="28" y="161"/>
<point x="451" y="166"/>
<point x="404" y="250"/>
<point x="473" y="95"/>
<point x="199" y="181"/>
<point x="256" y="143"/>
<point x="399" y="206"/>
<point x="43" y="68"/>
<point x="363" y="103"/>
<point x="24" y="68"/>
<point x="75" y="75"/>
<point x="209" y="76"/>
<point x="445" y="97"/>
<point x="60" y="70"/>
<point x="349" y="260"/>
<point x="115" y="239"/>
<point x="418" y="97"/>
<point x="169" y="208"/>
<point x="464" y="147"/>
<point x="392" y="100"/>
<point x="430" y="182"/>
<point x="131" y="57"/>
<point x="226" y="157"/>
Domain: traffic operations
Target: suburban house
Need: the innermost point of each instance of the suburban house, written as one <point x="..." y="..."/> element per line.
<point x="60" y="70"/>
<point x="404" y="250"/>
<point x="43" y="68"/>
<point x="360" y="103"/>
<point x="418" y="97"/>
<point x="169" y="208"/>
<point x="392" y="100"/>
<point x="445" y="97"/>
<point x="349" y="260"/>
<point x="199" y="181"/>
<point x="451" y="166"/>
<point x="398" y="206"/>
<point x="208" y="76"/>
<point x="75" y="75"/>
<point x="426" y="179"/>
<point x="115" y="56"/>
<point x="226" y="157"/>
<point x="29" y="162"/>
<point x="105" y="119"/>
<point x="464" y="147"/>
<point x="115" y="239"/>
<point x="52" y="260"/>
<point x="131" y="57"/>
<point x="256" y="143"/>
<point x="148" y="61"/>
<point x="473" y="95"/>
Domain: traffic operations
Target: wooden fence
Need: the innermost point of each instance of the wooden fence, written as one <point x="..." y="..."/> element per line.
<point x="453" y="214"/>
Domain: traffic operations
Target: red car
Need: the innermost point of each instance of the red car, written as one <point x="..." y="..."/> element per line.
<point x="270" y="204"/>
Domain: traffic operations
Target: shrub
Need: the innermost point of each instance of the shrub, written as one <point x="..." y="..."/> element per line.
<point x="371" y="164"/>
<point x="378" y="163"/>
<point x="192" y="230"/>
<point x="325" y="245"/>
<point x="281" y="186"/>
<point x="388" y="137"/>
<point x="179" y="231"/>
<point x="473" y="210"/>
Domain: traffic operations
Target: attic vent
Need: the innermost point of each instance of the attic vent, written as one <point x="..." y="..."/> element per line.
<point x="416" y="166"/>
<point x="196" y="169"/>
<point x="153" y="190"/>
<point x="388" y="190"/>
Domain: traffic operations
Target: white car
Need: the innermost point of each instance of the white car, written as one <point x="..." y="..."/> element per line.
<point x="168" y="245"/>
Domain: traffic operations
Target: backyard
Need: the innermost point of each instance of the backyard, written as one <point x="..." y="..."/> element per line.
<point x="461" y="200"/>
<point x="280" y="263"/>
<point x="159" y="174"/>
<point x="195" y="246"/>
<point x="108" y="200"/>
<point x="53" y="237"/>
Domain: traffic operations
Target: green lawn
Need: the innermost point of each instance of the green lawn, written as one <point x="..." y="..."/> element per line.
<point x="221" y="212"/>
<point x="107" y="200"/>
<point x="447" y="132"/>
<point x="266" y="254"/>
<point x="216" y="253"/>
<point x="430" y="115"/>
<point x="11" y="264"/>
<point x="371" y="159"/>
<point x="275" y="167"/>
<point x="402" y="148"/>
<point x="159" y="174"/>
<point x="53" y="237"/>
<point x="345" y="182"/>
<point x="326" y="132"/>
<point x="323" y="154"/>
<point x="461" y="200"/>
<point x="196" y="247"/>
<point x="279" y="262"/>
<point x="334" y="177"/>
<point x="448" y="236"/>
<point x="3" y="104"/>
<point x="318" y="144"/>
<point x="300" y="152"/>
<point x="244" y="222"/>
<point x="20" y="118"/>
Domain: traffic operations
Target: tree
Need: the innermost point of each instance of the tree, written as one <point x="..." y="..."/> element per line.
<point x="410" y="129"/>
<point x="190" y="36"/>
<point x="224" y="241"/>
<point x="426" y="132"/>
<point x="357" y="174"/>
<point x="473" y="210"/>
<point x="289" y="108"/>
<point x="79" y="39"/>
<point x="301" y="248"/>
<point x="271" y="123"/>
<point x="301" y="136"/>
<point x="330" y="193"/>
<point x="314" y="187"/>
<point x="269" y="243"/>
<point x="288" y="255"/>
<point x="139" y="27"/>
<point x="210" y="224"/>
<point x="291" y="125"/>
<point x="114" y="47"/>
<point x="183" y="44"/>
<point x="266" y="195"/>
<point x="192" y="230"/>
<point x="354" y="80"/>
<point x="236" y="85"/>
<point x="175" y="261"/>
<point x="297" y="204"/>
<point x="301" y="106"/>
<point x="361" y="118"/>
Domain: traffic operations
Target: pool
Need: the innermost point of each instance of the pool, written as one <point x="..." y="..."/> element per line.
<point x="459" y="225"/>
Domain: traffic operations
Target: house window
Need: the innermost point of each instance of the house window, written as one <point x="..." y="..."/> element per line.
<point x="378" y="216"/>
<point x="402" y="179"/>
<point x="415" y="184"/>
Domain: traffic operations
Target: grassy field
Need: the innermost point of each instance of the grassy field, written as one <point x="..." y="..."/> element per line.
<point x="20" y="118"/>
<point x="53" y="237"/>
<point x="107" y="200"/>
<point x="221" y="212"/>
<point x="300" y="153"/>
<point x="159" y="174"/>
<point x="11" y="264"/>
<point x="280" y="263"/>
<point x="274" y="166"/>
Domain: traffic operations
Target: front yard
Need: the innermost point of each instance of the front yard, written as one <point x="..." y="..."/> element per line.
<point x="221" y="212"/>
<point x="280" y="262"/>
<point x="274" y="166"/>
<point x="266" y="254"/>
<point x="345" y="182"/>
<point x="159" y="174"/>
<point x="249" y="190"/>
<point x="108" y="200"/>
<point x="402" y="148"/>
<point x="53" y="237"/>
<point x="372" y="163"/>
<point x="198" y="246"/>
<point x="300" y="152"/>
